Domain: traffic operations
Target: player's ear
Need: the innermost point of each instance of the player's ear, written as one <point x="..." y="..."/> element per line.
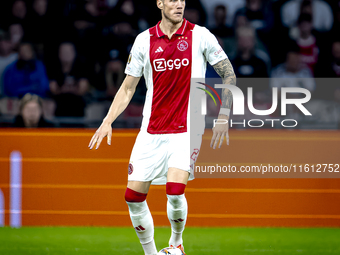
<point x="160" y="4"/>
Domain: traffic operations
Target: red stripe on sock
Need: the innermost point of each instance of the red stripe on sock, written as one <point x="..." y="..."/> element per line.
<point x="134" y="196"/>
<point x="174" y="188"/>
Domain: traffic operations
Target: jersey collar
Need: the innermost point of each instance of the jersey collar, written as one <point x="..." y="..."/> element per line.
<point x="180" y="31"/>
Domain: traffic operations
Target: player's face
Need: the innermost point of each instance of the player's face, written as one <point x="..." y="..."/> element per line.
<point x="172" y="10"/>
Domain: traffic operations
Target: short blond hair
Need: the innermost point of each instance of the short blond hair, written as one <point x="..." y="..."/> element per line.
<point x="30" y="98"/>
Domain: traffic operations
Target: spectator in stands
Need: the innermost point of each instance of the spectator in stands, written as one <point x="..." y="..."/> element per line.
<point x="306" y="7"/>
<point x="116" y="50"/>
<point x="40" y="7"/>
<point x="31" y="113"/>
<point x="38" y="28"/>
<point x="7" y="55"/>
<point x="258" y="13"/>
<point x="87" y="28"/>
<point x="336" y="26"/>
<point x="86" y="16"/>
<point x="330" y="69"/>
<point x="231" y="5"/>
<point x="16" y="32"/>
<point x="114" y="76"/>
<point x="336" y="58"/>
<point x="69" y="68"/>
<point x="44" y="32"/>
<point x="149" y="12"/>
<point x="112" y="3"/>
<point x="68" y="82"/>
<point x="4" y="7"/>
<point x="19" y="12"/>
<point x="246" y="63"/>
<point x="192" y="15"/>
<point x="241" y="21"/>
<point x="26" y="75"/>
<point x="125" y="11"/>
<point x="320" y="10"/>
<point x="221" y="29"/>
<point x="194" y="12"/>
<point x="101" y="6"/>
<point x="293" y="73"/>
<point x="307" y="41"/>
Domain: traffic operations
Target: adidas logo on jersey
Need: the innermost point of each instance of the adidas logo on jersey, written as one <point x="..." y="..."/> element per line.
<point x="159" y="50"/>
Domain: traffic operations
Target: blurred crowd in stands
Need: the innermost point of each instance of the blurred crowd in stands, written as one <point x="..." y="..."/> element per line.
<point x="62" y="62"/>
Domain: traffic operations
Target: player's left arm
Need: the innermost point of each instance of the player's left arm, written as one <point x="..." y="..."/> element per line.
<point x="225" y="70"/>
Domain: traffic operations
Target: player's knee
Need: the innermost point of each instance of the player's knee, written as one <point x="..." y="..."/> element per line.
<point x="134" y="196"/>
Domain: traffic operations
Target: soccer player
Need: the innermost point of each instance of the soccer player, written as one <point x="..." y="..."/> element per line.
<point x="168" y="55"/>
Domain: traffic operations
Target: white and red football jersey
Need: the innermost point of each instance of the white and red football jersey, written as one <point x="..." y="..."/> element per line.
<point x="168" y="66"/>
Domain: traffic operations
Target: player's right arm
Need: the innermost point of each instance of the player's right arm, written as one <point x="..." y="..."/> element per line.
<point x="120" y="102"/>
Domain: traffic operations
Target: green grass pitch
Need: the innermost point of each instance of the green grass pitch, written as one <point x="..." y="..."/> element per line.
<point x="233" y="241"/>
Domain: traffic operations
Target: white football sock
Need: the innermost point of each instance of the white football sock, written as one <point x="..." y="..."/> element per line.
<point x="143" y="223"/>
<point x="177" y="209"/>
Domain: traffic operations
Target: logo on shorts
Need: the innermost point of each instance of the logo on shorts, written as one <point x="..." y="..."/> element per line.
<point x="130" y="169"/>
<point x="194" y="155"/>
<point x="182" y="45"/>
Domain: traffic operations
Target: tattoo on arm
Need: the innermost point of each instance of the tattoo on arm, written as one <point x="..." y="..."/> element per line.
<point x="226" y="71"/>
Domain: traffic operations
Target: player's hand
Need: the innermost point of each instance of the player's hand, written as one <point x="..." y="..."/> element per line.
<point x="220" y="131"/>
<point x="105" y="129"/>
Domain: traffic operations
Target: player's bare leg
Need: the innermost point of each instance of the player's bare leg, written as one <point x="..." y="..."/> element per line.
<point x="177" y="207"/>
<point x="141" y="187"/>
<point x="140" y="215"/>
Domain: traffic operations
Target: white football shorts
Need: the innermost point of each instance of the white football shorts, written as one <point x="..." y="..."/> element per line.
<point x="153" y="154"/>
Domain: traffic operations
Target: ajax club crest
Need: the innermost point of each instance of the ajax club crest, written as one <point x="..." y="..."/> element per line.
<point x="182" y="45"/>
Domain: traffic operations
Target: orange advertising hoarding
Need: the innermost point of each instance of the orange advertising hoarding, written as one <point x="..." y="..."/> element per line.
<point x="64" y="183"/>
